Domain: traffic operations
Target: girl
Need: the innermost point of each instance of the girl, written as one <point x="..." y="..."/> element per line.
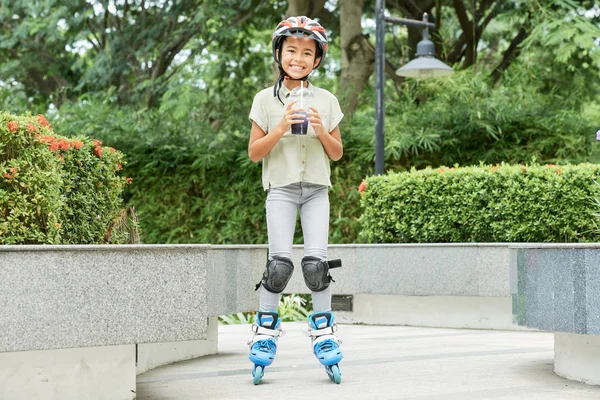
<point x="296" y="176"/>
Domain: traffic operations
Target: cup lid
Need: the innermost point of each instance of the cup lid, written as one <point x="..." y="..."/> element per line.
<point x="301" y="92"/>
<point x="302" y="96"/>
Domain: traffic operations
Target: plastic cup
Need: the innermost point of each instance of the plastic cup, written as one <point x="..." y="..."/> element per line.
<point x="303" y="98"/>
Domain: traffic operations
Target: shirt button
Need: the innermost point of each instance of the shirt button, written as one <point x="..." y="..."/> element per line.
<point x="302" y="146"/>
<point x="302" y="162"/>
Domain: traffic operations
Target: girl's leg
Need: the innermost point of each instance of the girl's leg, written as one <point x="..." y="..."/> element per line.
<point x="314" y="216"/>
<point x="282" y="211"/>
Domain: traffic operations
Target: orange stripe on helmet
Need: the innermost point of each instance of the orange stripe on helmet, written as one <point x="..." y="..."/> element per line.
<point x="300" y="23"/>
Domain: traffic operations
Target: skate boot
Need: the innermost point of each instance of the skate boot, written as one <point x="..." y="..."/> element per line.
<point x="263" y="344"/>
<point x="322" y="328"/>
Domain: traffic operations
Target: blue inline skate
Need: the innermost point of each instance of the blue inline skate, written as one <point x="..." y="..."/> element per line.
<point x="263" y="344"/>
<point x="322" y="328"/>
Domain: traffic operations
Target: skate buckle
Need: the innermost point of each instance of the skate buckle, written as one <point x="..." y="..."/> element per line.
<point x="259" y="330"/>
<point x="330" y="330"/>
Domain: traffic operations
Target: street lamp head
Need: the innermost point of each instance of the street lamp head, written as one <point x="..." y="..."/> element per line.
<point x="425" y="67"/>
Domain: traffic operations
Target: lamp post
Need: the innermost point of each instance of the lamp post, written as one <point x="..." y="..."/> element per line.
<point x="425" y="65"/>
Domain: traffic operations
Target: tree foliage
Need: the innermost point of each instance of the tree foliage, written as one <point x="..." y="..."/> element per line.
<point x="133" y="46"/>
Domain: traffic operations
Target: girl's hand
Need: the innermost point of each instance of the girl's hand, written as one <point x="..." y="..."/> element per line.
<point x="316" y="122"/>
<point x="290" y="116"/>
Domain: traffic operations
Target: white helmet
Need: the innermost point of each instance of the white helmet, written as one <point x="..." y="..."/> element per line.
<point x="302" y="27"/>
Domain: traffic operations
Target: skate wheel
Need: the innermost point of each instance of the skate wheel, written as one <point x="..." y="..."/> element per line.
<point x="258" y="373"/>
<point x="336" y="374"/>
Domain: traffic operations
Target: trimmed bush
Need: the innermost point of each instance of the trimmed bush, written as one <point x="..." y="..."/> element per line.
<point x="30" y="181"/>
<point x="55" y="189"/>
<point x="502" y="203"/>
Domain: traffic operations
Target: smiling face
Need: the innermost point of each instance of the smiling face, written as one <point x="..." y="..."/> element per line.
<point x="298" y="56"/>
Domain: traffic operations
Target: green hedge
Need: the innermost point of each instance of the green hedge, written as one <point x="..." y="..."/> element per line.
<point x="502" y="203"/>
<point x="55" y="189"/>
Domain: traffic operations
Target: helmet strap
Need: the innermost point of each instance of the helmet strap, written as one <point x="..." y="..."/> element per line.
<point x="283" y="76"/>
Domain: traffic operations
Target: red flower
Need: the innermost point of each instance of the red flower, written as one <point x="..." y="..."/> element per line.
<point x="55" y="143"/>
<point x="63" y="144"/>
<point x="119" y="167"/>
<point x="31" y="127"/>
<point x="12" y="126"/>
<point x="129" y="180"/>
<point x="112" y="150"/>
<point x="45" y="138"/>
<point x="97" y="147"/>
<point x="362" y="186"/>
<point x="43" y="121"/>
<point x="11" y="174"/>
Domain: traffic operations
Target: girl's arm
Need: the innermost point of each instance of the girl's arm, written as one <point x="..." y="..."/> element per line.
<point x="261" y="144"/>
<point x="332" y="141"/>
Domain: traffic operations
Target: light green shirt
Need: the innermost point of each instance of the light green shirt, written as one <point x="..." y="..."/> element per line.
<point x="295" y="158"/>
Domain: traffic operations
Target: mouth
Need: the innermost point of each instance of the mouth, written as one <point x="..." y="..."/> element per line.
<point x="297" y="68"/>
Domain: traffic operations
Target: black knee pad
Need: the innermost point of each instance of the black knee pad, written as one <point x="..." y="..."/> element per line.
<point x="277" y="274"/>
<point x="316" y="272"/>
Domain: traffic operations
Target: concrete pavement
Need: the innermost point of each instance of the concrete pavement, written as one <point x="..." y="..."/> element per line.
<point x="381" y="362"/>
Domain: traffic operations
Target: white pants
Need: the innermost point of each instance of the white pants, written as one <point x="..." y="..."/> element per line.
<point x="282" y="207"/>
